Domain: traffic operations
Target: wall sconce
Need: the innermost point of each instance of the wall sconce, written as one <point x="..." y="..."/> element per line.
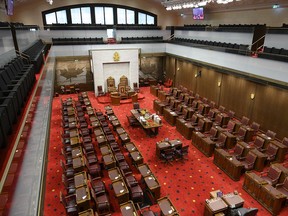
<point x="252" y="96"/>
<point x="178" y="69"/>
<point x="198" y="74"/>
<point x="219" y="83"/>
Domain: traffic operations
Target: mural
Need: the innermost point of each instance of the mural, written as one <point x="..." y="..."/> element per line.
<point x="152" y="67"/>
<point x="69" y="72"/>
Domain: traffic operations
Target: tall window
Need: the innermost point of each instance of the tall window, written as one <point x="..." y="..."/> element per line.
<point x="104" y="15"/>
<point x="61" y="17"/>
<point x="81" y="15"/>
<point x="99" y="15"/>
<point x="145" y="19"/>
<point x="109" y="17"/>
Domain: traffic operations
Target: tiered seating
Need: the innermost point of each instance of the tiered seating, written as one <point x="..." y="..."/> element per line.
<point x="16" y="81"/>
<point x="77" y="41"/>
<point x="236" y="27"/>
<point x="36" y="52"/>
<point x="152" y="39"/>
<point x="219" y="46"/>
<point x="274" y="53"/>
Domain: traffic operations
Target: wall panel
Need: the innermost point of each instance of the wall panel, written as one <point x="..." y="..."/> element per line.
<point x="235" y="95"/>
<point x="270" y="109"/>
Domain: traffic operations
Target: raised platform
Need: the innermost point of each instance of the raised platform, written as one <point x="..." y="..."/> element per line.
<point x="106" y="99"/>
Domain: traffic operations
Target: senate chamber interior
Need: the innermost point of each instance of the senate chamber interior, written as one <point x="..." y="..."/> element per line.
<point x="132" y="107"/>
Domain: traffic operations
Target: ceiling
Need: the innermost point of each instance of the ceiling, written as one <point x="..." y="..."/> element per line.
<point x="214" y="7"/>
<point x="237" y="5"/>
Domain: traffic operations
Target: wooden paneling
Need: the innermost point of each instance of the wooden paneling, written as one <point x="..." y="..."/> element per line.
<point x="170" y="68"/>
<point x="270" y="109"/>
<point x="184" y="74"/>
<point x="207" y="84"/>
<point x="235" y="95"/>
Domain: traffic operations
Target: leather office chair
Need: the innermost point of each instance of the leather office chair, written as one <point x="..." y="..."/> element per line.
<point x="94" y="169"/>
<point x="283" y="188"/>
<point x="243" y="212"/>
<point x="146" y="211"/>
<point x="101" y="202"/>
<point x="285" y="141"/>
<point x="271" y="152"/>
<point x="68" y="184"/>
<point x="181" y="153"/>
<point x="230" y="126"/>
<point x="136" y="105"/>
<point x="272" y="175"/>
<point x="220" y="143"/>
<point x="67" y="170"/>
<point x="136" y="193"/>
<point x="200" y="125"/>
<point x="237" y="151"/>
<point x="221" y="109"/>
<point x="218" y="120"/>
<point x="259" y="143"/>
<point x="255" y="126"/>
<point x="168" y="155"/>
<point x="212" y="134"/>
<point x="231" y="114"/>
<point x="241" y="134"/>
<point x="125" y="168"/>
<point x="249" y="161"/>
<point x="135" y="87"/>
<point x="132" y="121"/>
<point x="69" y="203"/>
<point x="271" y="134"/>
<point x="245" y="120"/>
<point x="100" y="91"/>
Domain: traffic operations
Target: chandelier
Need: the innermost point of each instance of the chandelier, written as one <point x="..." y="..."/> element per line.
<point x="182" y="4"/>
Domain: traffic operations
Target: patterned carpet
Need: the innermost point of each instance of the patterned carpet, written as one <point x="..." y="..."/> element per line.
<point x="187" y="184"/>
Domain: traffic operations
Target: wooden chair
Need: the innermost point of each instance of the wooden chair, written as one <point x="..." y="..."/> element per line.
<point x="111" y="87"/>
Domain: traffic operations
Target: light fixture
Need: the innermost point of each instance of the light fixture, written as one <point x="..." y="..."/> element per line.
<point x="219" y="83"/>
<point x="252" y="96"/>
<point x="49" y="1"/>
<point x="183" y="4"/>
<point x="198" y="74"/>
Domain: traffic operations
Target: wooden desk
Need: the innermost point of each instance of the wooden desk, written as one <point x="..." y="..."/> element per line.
<point x="233" y="200"/>
<point x="266" y="138"/>
<point x="105" y="149"/>
<point x="154" y="90"/>
<point x="83" y="198"/>
<point x="109" y="161"/>
<point x="112" y="118"/>
<point x="101" y="140"/>
<point x="144" y="170"/>
<point x="80" y="179"/>
<point x="230" y="141"/>
<point x="120" y="191"/>
<point x="120" y="130"/>
<point x="185" y="128"/>
<point x="253" y="183"/>
<point x="282" y="150"/>
<point x="170" y="116"/>
<point x="95" y="124"/>
<point x="166" y="206"/>
<point x="114" y="174"/>
<point x="249" y="133"/>
<point x="260" y="161"/>
<point x="88" y="212"/>
<point x="128" y="209"/>
<point x="158" y="107"/>
<point x="272" y="199"/>
<point x="136" y="157"/>
<point x="98" y="132"/>
<point x="153" y="185"/>
<point x="130" y="146"/>
<point x="227" y="163"/>
<point x="284" y="172"/>
<point x="162" y="95"/>
<point x="163" y="145"/>
<point x="124" y="138"/>
<point x="78" y="164"/>
<point x="115" y="124"/>
<point x="74" y="141"/>
<point x="207" y="146"/>
<point x="214" y="206"/>
<point x="77" y="152"/>
<point x="150" y="127"/>
<point x="246" y="147"/>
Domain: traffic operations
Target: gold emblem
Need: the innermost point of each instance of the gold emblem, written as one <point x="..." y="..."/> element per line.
<point x="116" y="56"/>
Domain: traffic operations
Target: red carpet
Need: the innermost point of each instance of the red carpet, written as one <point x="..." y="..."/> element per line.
<point x="187" y="184"/>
